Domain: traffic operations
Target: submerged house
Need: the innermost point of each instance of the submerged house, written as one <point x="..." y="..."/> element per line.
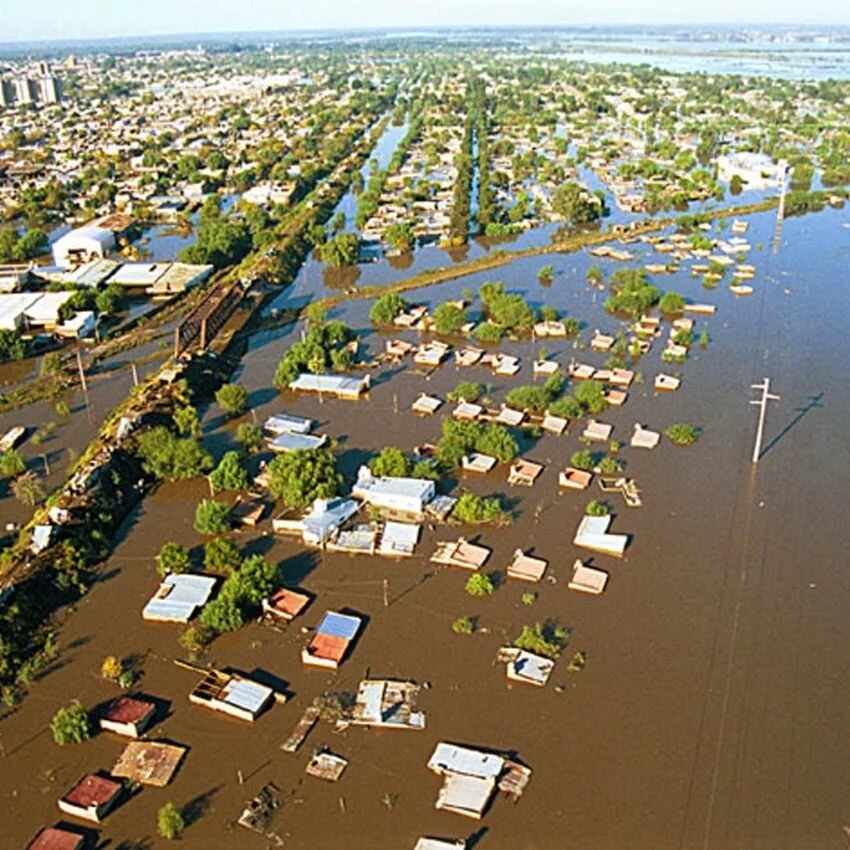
<point x="397" y="495"/>
<point x="149" y="762"/>
<point x="57" y="838"/>
<point x="337" y="386"/>
<point x="321" y="523"/>
<point x="232" y="694"/>
<point x="179" y="597"/>
<point x="524" y="666"/>
<point x="331" y="640"/>
<point x="593" y="534"/>
<point x="388" y="704"/>
<point x="128" y="716"/>
<point x="471" y="778"/>
<point x="91" y="798"/>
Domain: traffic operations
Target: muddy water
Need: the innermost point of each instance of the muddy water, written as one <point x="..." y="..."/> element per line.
<point x="712" y="711"/>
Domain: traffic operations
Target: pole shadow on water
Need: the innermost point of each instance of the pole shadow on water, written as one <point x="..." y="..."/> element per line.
<point x="813" y="402"/>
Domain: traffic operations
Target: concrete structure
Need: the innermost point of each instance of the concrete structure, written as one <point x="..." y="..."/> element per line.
<point x="82" y="245"/>
<point x="402" y="495"/>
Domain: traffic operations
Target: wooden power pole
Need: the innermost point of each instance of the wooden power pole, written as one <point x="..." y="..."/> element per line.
<point x="766" y="396"/>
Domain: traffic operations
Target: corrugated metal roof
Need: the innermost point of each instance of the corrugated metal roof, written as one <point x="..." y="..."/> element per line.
<point x="339" y="625"/>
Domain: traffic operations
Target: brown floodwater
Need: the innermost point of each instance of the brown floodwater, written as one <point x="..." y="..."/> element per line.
<point x="712" y="712"/>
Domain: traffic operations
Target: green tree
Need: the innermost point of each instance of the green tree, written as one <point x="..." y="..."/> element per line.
<point x="28" y="489"/>
<point x="542" y="639"/>
<point x="71" y="725"/>
<point x="392" y="462"/>
<point x="232" y="399"/>
<point x="575" y="204"/>
<point x="169" y="457"/>
<point x="480" y="584"/>
<point x="304" y="475"/>
<point x="249" y="435"/>
<point x="173" y="558"/>
<point x="170" y="822"/>
<point x="212" y="517"/>
<point x="449" y="318"/>
<point x="12" y="463"/>
<point x="342" y="250"/>
<point x="582" y="460"/>
<point x="186" y="420"/>
<point x="221" y="555"/>
<point x="473" y="509"/>
<point x="399" y="235"/>
<point x="12" y="345"/>
<point x="230" y="474"/>
<point x="682" y="434"/>
<point x="672" y="302"/>
<point x="591" y="396"/>
<point x="386" y="308"/>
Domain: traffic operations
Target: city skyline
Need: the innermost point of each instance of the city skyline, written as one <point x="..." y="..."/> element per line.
<point x="43" y="20"/>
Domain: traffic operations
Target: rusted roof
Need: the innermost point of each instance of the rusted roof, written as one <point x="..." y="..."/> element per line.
<point x="92" y="790"/>
<point x="53" y="838"/>
<point x="129" y="710"/>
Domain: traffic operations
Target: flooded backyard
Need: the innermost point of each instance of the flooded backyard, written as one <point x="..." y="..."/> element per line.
<point x="711" y="712"/>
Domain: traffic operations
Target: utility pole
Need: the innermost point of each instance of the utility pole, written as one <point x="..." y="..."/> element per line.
<point x="386" y="594"/>
<point x="766" y="396"/>
<point x="83" y="377"/>
<point x="135" y="374"/>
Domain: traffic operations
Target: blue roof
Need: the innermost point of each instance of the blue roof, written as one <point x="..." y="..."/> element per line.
<point x="339" y="625"/>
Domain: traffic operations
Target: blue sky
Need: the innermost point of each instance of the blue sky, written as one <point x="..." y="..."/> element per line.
<point x="43" y="19"/>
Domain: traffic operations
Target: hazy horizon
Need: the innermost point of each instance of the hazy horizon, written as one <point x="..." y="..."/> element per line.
<point x="43" y="21"/>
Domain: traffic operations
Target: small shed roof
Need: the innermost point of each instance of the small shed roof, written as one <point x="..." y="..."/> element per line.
<point x="452" y="758"/>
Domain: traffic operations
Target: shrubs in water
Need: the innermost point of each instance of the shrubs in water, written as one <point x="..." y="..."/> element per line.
<point x="672" y="302"/>
<point x="682" y="434"/>
<point x="582" y="460"/>
<point x="170" y="822"/>
<point x="460" y="438"/>
<point x="466" y="391"/>
<point x="543" y="639"/>
<point x="632" y="293"/>
<point x="595" y="508"/>
<point x="71" y="725"/>
<point x="591" y="396"/>
<point x="473" y="509"/>
<point x="610" y="466"/>
<point x="488" y="332"/>
<point x="536" y="398"/>
<point x="480" y="584"/>
<point x="449" y="318"/>
<point x="212" y="517"/>
<point x="567" y="407"/>
<point x="509" y="312"/>
<point x="386" y="308"/>
<point x="546" y="275"/>
<point x="173" y="558"/>
<point x="463" y="626"/>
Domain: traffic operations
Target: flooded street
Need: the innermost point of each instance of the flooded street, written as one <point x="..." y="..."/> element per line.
<point x="713" y="708"/>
